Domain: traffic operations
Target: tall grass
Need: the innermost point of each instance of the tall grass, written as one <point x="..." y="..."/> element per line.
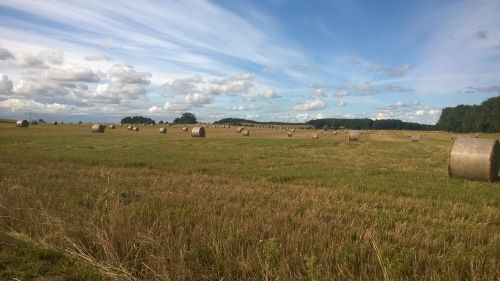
<point x="147" y="206"/>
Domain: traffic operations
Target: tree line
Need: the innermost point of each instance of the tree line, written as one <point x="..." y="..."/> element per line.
<point x="471" y="118"/>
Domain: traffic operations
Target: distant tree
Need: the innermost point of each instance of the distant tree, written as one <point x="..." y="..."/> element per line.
<point x="137" y="120"/>
<point x="471" y="118"/>
<point x="161" y="122"/>
<point x="41" y="120"/>
<point x="186" y="118"/>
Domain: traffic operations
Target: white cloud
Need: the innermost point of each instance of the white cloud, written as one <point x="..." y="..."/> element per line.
<point x="341" y="103"/>
<point x="5" y="54"/>
<point x="73" y="73"/>
<point x="6" y="85"/>
<point x="303" y="117"/>
<point x="19" y="105"/>
<point x="99" y="57"/>
<point x="310" y="105"/>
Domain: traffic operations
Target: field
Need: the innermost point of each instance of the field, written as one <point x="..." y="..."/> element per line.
<point x="129" y="205"/>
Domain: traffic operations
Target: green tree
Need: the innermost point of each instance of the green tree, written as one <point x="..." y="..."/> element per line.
<point x="186" y="118"/>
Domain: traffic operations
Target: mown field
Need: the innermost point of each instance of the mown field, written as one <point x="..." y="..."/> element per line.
<point x="129" y="205"/>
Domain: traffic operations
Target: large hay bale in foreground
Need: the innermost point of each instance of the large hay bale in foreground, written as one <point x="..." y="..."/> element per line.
<point x="238" y="130"/>
<point x="245" y="133"/>
<point x="98" y="128"/>
<point x="22" y="123"/>
<point x="163" y="130"/>
<point x="353" y="136"/>
<point x="474" y="159"/>
<point x="198" y="132"/>
<point x="184" y="129"/>
<point x="315" y="136"/>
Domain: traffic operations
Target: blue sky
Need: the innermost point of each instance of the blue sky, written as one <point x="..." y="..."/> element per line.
<point x="264" y="60"/>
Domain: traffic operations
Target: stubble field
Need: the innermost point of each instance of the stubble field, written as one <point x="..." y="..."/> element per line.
<point x="141" y="205"/>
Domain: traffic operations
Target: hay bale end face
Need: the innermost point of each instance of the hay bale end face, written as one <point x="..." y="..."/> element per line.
<point x="474" y="159"/>
<point x="245" y="133"/>
<point x="353" y="136"/>
<point x="315" y="136"/>
<point x="163" y="130"/>
<point x="22" y="123"/>
<point x="239" y="129"/>
<point x="98" y="128"/>
<point x="198" y="132"/>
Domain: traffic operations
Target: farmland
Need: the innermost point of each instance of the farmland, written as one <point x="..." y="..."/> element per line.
<point x="142" y="205"/>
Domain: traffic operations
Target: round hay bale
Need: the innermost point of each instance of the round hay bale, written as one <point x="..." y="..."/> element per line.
<point x="290" y="134"/>
<point x="22" y="123"/>
<point x="415" y="138"/>
<point x="245" y="133"/>
<point x="130" y="127"/>
<point x="163" y="130"/>
<point x="476" y="135"/>
<point x="238" y="130"/>
<point x="185" y="129"/>
<point x="135" y="128"/>
<point x="353" y="136"/>
<point x="292" y="130"/>
<point x="198" y="132"/>
<point x="98" y="128"/>
<point x="112" y="126"/>
<point x="54" y="123"/>
<point x="334" y="133"/>
<point x="34" y="122"/>
<point x="315" y="136"/>
<point x="474" y="159"/>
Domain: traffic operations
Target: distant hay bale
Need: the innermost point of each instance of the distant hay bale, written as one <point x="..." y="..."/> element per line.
<point x="315" y="136"/>
<point x="135" y="128"/>
<point x="292" y="130"/>
<point x="353" y="136"/>
<point x="22" y="123"/>
<point x="112" y="126"/>
<point x="130" y="127"/>
<point x="474" y="159"/>
<point x="54" y="123"/>
<point x="98" y="128"/>
<point x="198" y="132"/>
<point x="415" y="138"/>
<point x="185" y="129"/>
<point x="476" y="135"/>
<point x="245" y="133"/>
<point x="34" y="122"/>
<point x="334" y="133"/>
<point x="290" y="134"/>
<point x="238" y="130"/>
<point x="163" y="130"/>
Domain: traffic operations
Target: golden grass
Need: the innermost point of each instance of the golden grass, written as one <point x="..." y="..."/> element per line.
<point x="268" y="207"/>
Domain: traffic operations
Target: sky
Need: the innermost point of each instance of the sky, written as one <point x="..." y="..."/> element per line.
<point x="276" y="60"/>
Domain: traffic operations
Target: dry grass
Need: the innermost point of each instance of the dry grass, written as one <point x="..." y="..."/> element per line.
<point x="260" y="208"/>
